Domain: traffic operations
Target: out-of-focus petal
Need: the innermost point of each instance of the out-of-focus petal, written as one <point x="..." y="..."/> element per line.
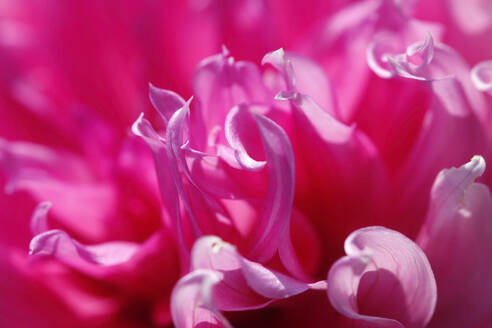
<point x="385" y="280"/>
<point x="481" y="75"/>
<point x="58" y="244"/>
<point x="456" y="238"/>
<point x="39" y="222"/>
<point x="48" y="174"/>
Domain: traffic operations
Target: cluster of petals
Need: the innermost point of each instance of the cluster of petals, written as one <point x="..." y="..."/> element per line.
<point x="334" y="184"/>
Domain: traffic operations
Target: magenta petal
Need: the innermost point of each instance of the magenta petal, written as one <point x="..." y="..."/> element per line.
<point x="192" y="303"/>
<point x="457" y="238"/>
<point x="385" y="280"/>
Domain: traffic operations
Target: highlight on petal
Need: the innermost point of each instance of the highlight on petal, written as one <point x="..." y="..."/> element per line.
<point x="481" y="75"/>
<point x="192" y="301"/>
<point x="457" y="238"/>
<point x="385" y="279"/>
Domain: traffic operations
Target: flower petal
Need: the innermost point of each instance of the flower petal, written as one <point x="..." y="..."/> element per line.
<point x="457" y="238"/>
<point x="244" y="284"/>
<point x="165" y="102"/>
<point x="385" y="279"/>
<point x="481" y="75"/>
<point x="192" y="303"/>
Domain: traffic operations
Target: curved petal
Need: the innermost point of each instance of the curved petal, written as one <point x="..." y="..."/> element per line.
<point x="87" y="259"/>
<point x="456" y="237"/>
<point x="355" y="174"/>
<point x="165" y="102"/>
<point x="167" y="187"/>
<point x="244" y="284"/>
<point x="385" y="279"/>
<point x="39" y="222"/>
<point x="240" y="129"/>
<point x="481" y="75"/>
<point x="192" y="303"/>
<point x="220" y="83"/>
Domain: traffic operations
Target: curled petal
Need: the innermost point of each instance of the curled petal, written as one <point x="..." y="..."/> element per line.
<point x="456" y="238"/>
<point x="277" y="59"/>
<point x="192" y="303"/>
<point x="412" y="64"/>
<point x="273" y="231"/>
<point x="165" y="102"/>
<point x="385" y="279"/>
<point x="481" y="75"/>
<point x="220" y="83"/>
<point x="321" y="138"/>
<point x="244" y="284"/>
<point x="240" y="125"/>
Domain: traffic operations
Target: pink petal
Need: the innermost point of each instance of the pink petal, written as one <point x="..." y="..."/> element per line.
<point x="165" y="102"/>
<point x="39" y="222"/>
<point x="457" y="238"/>
<point x="192" y="303"/>
<point x="239" y="130"/>
<point x="273" y="231"/>
<point x="321" y="139"/>
<point x="87" y="259"/>
<point x="165" y="177"/>
<point x="244" y="284"/>
<point x="481" y="75"/>
<point x="220" y="83"/>
<point x="384" y="280"/>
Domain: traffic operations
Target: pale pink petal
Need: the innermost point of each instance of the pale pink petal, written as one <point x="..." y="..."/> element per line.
<point x="167" y="187"/>
<point x="473" y="16"/>
<point x="58" y="244"/>
<point x="385" y="280"/>
<point x="481" y="75"/>
<point x="165" y="102"/>
<point x="39" y="222"/>
<point x="273" y="231"/>
<point x="355" y="172"/>
<point x="192" y="301"/>
<point x="220" y="83"/>
<point x="244" y="284"/>
<point x="239" y="130"/>
<point x="456" y="238"/>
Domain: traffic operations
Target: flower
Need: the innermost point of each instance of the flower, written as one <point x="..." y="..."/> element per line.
<point x="332" y="184"/>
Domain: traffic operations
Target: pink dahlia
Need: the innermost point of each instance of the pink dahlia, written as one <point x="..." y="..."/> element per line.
<point x="330" y="183"/>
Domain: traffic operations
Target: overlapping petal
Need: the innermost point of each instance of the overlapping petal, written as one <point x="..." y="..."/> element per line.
<point x="456" y="238"/>
<point x="384" y="281"/>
